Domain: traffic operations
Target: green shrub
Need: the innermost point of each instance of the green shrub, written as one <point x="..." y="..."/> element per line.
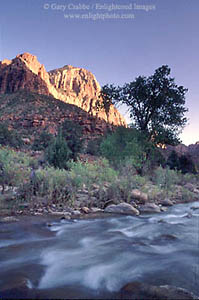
<point x="184" y="163"/>
<point x="165" y="178"/>
<point x="9" y="138"/>
<point x="42" y="141"/>
<point x="190" y="178"/>
<point x="173" y="161"/>
<point x="86" y="173"/>
<point x="187" y="165"/>
<point x="72" y="133"/>
<point x="48" y="182"/>
<point x="58" y="153"/>
<point x="93" y="146"/>
<point x="14" y="167"/>
<point x="132" y="145"/>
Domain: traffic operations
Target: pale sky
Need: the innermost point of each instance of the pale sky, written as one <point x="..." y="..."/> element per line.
<point x="114" y="49"/>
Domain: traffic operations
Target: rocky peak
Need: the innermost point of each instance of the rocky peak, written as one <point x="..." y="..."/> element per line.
<point x="32" y="64"/>
<point x="19" y="74"/>
<point x="70" y="84"/>
<point x="5" y="62"/>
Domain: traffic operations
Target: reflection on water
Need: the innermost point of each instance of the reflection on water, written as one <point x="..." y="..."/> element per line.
<point x="95" y="258"/>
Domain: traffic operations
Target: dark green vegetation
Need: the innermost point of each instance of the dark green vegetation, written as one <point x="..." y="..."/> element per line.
<point x="42" y="141"/>
<point x="181" y="163"/>
<point x="73" y="135"/>
<point x="11" y="138"/>
<point x="58" y="153"/>
<point x="130" y="145"/>
<point x="156" y="105"/>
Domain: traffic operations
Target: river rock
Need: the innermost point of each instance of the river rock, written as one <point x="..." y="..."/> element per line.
<point x="138" y="195"/>
<point x="96" y="209"/>
<point x="163" y="208"/>
<point x="195" y="207"/>
<point x="189" y="186"/>
<point x="166" y="202"/>
<point x="18" y="289"/>
<point x="76" y="213"/>
<point x="196" y="191"/>
<point x="138" y="290"/>
<point x="122" y="208"/>
<point x="85" y="209"/>
<point x="149" y="208"/>
<point x="95" y="186"/>
<point x="109" y="202"/>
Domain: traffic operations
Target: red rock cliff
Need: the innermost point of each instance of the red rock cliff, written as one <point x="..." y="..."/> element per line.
<point x="72" y="85"/>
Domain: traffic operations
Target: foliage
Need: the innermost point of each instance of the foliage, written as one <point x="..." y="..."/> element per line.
<point x="173" y="161"/>
<point x="165" y="178"/>
<point x="187" y="165"/>
<point x="14" y="167"/>
<point x="86" y="173"/>
<point x="58" y="153"/>
<point x="156" y="105"/>
<point x="93" y="146"/>
<point x="72" y="133"/>
<point x="50" y="183"/>
<point x="190" y="178"/>
<point x="184" y="163"/>
<point x="9" y="138"/>
<point x="132" y="145"/>
<point x="42" y="141"/>
<point x="105" y="99"/>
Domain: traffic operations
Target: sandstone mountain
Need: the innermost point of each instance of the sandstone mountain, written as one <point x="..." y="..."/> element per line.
<point x="72" y="85"/>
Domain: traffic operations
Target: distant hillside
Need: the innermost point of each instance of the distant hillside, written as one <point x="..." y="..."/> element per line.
<point x="30" y="113"/>
<point x="181" y="149"/>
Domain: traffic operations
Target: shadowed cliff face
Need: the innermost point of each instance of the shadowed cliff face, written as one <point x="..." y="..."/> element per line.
<point x="191" y="151"/>
<point x="72" y="85"/>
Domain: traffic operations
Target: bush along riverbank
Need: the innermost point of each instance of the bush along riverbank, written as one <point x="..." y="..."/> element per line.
<point x="88" y="186"/>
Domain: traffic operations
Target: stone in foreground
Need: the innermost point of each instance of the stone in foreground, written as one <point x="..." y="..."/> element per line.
<point x="138" y="290"/>
<point x="122" y="208"/>
<point x="149" y="208"/>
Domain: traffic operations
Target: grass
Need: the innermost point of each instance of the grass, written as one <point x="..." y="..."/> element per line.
<point x="61" y="186"/>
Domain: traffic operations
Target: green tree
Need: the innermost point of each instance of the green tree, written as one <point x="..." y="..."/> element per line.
<point x="58" y="153"/>
<point x="42" y="141"/>
<point x="156" y="105"/>
<point x="187" y="165"/>
<point x="106" y="99"/>
<point x="173" y="161"/>
<point x="129" y="144"/>
<point x="72" y="133"/>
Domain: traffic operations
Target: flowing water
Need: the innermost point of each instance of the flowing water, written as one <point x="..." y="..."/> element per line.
<point x="87" y="259"/>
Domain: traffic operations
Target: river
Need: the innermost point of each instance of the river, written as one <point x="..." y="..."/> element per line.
<point x="95" y="258"/>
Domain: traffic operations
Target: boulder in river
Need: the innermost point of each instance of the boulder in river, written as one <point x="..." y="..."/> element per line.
<point x="149" y="208"/>
<point x="18" y="289"/>
<point x="122" y="208"/>
<point x="166" y="202"/>
<point x="139" y="290"/>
